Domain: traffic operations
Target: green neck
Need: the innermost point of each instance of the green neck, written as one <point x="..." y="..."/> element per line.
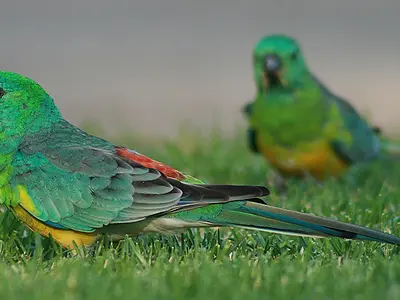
<point x="43" y="121"/>
<point x="289" y="116"/>
<point x="6" y="195"/>
<point x="8" y="149"/>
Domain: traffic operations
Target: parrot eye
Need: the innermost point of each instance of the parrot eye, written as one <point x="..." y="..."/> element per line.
<point x="2" y="92"/>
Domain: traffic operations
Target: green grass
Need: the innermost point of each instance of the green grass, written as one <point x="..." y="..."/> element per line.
<point x="225" y="264"/>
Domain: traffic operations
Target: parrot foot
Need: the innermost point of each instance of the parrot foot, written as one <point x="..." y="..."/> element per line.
<point x="310" y="178"/>
<point x="277" y="181"/>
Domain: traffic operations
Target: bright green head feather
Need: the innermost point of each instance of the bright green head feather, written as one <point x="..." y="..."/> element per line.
<point x="278" y="64"/>
<point x="289" y="106"/>
<point x="25" y="108"/>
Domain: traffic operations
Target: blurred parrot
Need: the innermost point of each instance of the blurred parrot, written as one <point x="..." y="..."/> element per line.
<point x="62" y="182"/>
<point x="298" y="124"/>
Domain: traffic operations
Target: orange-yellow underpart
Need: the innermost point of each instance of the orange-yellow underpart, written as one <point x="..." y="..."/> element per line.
<point x="61" y="236"/>
<point x="318" y="160"/>
<point x="26" y="201"/>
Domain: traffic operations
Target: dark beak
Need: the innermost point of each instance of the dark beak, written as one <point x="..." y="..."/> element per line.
<point x="272" y="69"/>
<point x="272" y="63"/>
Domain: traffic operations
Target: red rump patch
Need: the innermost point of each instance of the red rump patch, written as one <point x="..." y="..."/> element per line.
<point x="150" y="163"/>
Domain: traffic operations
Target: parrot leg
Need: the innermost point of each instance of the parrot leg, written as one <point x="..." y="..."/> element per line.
<point x="309" y="178"/>
<point x="275" y="179"/>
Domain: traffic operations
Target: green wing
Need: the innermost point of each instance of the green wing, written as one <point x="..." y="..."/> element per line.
<point x="78" y="182"/>
<point x="365" y="144"/>
<point x="251" y="132"/>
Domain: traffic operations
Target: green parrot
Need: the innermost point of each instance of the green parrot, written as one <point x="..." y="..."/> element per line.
<point x="298" y="124"/>
<point x="60" y="181"/>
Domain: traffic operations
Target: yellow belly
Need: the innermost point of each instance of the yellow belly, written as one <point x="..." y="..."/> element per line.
<point x="316" y="159"/>
<point x="63" y="237"/>
<point x="26" y="211"/>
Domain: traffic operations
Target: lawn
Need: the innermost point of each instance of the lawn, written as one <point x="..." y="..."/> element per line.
<point x="225" y="264"/>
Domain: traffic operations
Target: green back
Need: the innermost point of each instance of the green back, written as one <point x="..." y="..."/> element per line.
<point x="365" y="143"/>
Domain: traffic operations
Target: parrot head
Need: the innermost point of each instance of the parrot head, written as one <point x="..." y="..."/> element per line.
<point x="278" y="63"/>
<point x="24" y="107"/>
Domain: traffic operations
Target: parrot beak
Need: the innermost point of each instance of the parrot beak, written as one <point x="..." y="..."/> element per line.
<point x="272" y="63"/>
<point x="272" y="71"/>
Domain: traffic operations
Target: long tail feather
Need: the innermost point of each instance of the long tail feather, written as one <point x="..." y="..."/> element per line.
<point x="256" y="216"/>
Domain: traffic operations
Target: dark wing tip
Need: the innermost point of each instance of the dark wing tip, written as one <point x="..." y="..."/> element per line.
<point x="377" y="130"/>
<point x="242" y="191"/>
<point x="252" y="140"/>
<point x="246" y="109"/>
<point x="263" y="189"/>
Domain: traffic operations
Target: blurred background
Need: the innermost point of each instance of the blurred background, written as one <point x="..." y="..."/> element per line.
<point x="149" y="65"/>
